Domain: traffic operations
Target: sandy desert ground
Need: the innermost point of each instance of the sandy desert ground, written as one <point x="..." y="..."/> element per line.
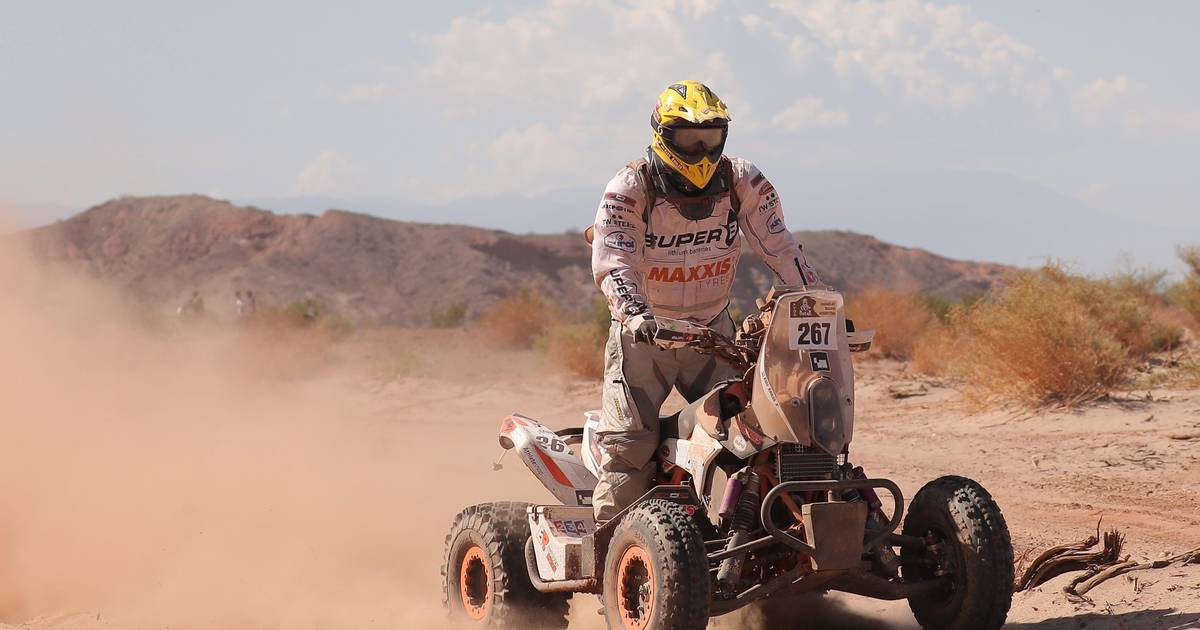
<point x="212" y="477"/>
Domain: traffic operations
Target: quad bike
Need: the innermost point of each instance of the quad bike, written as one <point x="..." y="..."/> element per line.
<point x="792" y="513"/>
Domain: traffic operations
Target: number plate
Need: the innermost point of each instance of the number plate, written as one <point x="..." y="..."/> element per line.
<point x="812" y="333"/>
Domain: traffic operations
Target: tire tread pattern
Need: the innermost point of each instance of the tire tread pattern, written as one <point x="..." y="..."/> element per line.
<point x="504" y="528"/>
<point x="683" y="564"/>
<point x="975" y="514"/>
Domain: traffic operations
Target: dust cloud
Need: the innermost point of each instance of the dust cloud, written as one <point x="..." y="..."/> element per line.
<point x="161" y="476"/>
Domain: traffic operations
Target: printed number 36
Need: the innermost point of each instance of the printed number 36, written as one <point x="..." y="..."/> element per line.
<point x="815" y="334"/>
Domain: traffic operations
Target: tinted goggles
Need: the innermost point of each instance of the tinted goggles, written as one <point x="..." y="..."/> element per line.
<point x="697" y="141"/>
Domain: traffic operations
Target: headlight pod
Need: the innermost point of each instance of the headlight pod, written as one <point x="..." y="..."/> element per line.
<point x="828" y="428"/>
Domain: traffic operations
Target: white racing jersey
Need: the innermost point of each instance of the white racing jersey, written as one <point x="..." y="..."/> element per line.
<point x="684" y="269"/>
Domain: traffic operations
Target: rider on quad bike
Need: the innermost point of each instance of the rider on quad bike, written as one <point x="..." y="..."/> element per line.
<point x="665" y="242"/>
<point x="749" y="492"/>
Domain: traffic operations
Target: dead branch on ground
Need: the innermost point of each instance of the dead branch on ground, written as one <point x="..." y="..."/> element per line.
<point x="1077" y="556"/>
<point x="1077" y="590"/>
<point x="1098" y="565"/>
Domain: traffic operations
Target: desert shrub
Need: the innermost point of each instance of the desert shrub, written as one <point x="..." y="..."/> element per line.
<point x="1049" y="336"/>
<point x="516" y="320"/>
<point x="1162" y="329"/>
<point x="308" y="314"/>
<point x="933" y="351"/>
<point x="598" y="316"/>
<point x="1186" y="293"/>
<point x="452" y="316"/>
<point x="1145" y="284"/>
<point x="940" y="306"/>
<point x="312" y="313"/>
<point x="899" y="318"/>
<point x="576" y="348"/>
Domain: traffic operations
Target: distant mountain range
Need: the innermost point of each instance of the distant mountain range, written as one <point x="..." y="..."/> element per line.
<point x="961" y="214"/>
<point x="378" y="270"/>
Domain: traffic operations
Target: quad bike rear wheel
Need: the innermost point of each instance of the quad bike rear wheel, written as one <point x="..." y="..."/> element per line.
<point x="967" y="541"/>
<point x="656" y="572"/>
<point x="484" y="579"/>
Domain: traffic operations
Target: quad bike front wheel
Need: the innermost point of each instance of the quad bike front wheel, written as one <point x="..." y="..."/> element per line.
<point x="967" y="544"/>
<point x="484" y="580"/>
<point x="656" y="572"/>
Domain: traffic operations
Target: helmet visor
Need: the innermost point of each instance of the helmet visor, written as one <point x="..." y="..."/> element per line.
<point x="696" y="142"/>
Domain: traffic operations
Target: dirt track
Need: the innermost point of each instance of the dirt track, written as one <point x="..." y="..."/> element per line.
<point x="322" y="501"/>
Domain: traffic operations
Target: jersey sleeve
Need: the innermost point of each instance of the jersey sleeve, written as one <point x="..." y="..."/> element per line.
<point x="618" y="239"/>
<point x="761" y="220"/>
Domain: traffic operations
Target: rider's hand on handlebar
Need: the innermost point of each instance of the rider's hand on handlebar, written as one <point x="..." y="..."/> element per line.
<point x="643" y="328"/>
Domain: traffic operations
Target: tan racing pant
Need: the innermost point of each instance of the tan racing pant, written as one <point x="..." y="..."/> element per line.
<point x="637" y="380"/>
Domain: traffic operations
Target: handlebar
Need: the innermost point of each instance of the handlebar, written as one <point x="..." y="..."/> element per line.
<point x="678" y="333"/>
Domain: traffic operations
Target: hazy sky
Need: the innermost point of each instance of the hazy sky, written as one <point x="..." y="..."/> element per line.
<point x="431" y="102"/>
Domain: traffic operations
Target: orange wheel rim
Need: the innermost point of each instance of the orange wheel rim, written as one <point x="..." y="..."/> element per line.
<point x="635" y="588"/>
<point x="475" y="583"/>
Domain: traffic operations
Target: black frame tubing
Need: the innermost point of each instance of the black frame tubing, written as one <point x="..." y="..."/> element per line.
<point x="778" y="491"/>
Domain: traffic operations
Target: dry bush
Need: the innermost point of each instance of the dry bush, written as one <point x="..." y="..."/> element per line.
<point x="570" y="340"/>
<point x="1186" y="293"/>
<point x="1051" y="337"/>
<point x="518" y="319"/>
<point x="309" y="315"/>
<point x="1160" y="329"/>
<point x="933" y="352"/>
<point x="899" y="318"/>
<point x="452" y="316"/>
<point x="576" y="348"/>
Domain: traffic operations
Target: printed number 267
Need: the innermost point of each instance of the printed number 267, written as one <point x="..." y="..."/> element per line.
<point x="815" y="334"/>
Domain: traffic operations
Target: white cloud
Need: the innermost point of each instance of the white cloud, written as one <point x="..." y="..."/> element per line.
<point x="320" y="177"/>
<point x="537" y="55"/>
<point x="555" y="92"/>
<point x="698" y="8"/>
<point x="537" y="150"/>
<point x="752" y="23"/>
<point x="554" y="73"/>
<point x="808" y="114"/>
<point x="935" y="54"/>
<point x="801" y="49"/>
<point x="1097" y="97"/>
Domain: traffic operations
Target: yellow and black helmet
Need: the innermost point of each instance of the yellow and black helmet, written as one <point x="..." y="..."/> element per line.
<point x="690" y="127"/>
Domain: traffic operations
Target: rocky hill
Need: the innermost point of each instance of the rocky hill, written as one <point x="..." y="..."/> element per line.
<point x="377" y="270"/>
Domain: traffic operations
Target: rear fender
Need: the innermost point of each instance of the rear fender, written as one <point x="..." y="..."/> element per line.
<point x="558" y="532"/>
<point x="550" y="459"/>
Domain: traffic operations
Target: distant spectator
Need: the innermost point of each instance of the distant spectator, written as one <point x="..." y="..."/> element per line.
<point x="245" y="304"/>
<point x="193" y="308"/>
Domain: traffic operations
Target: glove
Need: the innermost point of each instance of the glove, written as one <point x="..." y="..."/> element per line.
<point x="643" y="327"/>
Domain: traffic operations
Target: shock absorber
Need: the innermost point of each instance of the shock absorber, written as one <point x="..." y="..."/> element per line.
<point x="745" y="515"/>
<point x="875" y="519"/>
